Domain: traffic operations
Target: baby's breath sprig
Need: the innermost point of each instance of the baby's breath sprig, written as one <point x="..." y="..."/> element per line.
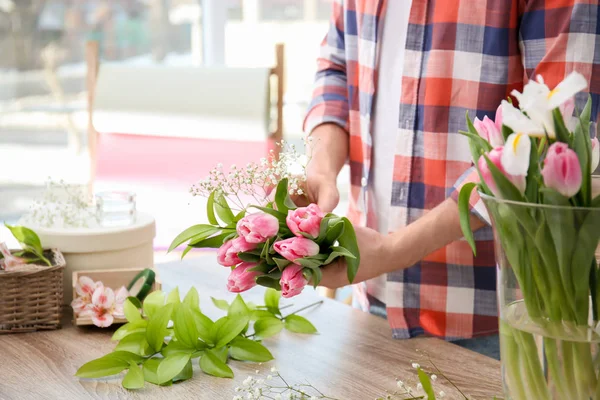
<point x="256" y="180"/>
<point x="275" y="387"/>
<point x="61" y="206"/>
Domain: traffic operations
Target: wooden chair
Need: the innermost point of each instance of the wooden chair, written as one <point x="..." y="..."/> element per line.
<point x="183" y="107"/>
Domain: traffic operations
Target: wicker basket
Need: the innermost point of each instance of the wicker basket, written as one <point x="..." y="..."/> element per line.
<point x="31" y="298"/>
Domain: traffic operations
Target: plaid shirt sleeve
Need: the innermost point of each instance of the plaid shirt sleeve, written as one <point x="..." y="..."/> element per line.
<point x="330" y="96"/>
<point x="556" y="38"/>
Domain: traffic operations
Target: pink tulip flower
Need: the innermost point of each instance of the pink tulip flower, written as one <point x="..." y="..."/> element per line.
<point x="292" y="281"/>
<point x="305" y="220"/>
<point x="489" y="130"/>
<point x="297" y="247"/>
<point x="562" y="171"/>
<point x="499" y="118"/>
<point x="495" y="157"/>
<point x="241" y="279"/>
<point x="257" y="228"/>
<point x="227" y="255"/>
<point x="595" y="154"/>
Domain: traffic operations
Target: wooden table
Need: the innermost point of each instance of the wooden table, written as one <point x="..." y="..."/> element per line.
<point x="353" y="357"/>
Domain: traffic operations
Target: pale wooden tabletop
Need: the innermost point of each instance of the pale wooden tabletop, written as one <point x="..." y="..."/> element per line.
<point x="352" y="358"/>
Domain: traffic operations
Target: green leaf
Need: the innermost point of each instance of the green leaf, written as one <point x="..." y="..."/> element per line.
<point x="531" y="188"/>
<point x="298" y="324"/>
<point x="186" y="330"/>
<point x="174" y="297"/>
<point x="426" y="383"/>
<point x="26" y="237"/>
<point x="213" y="242"/>
<point x="134" y="379"/>
<point x="281" y="262"/>
<point x="185" y="251"/>
<point x="110" y="364"/>
<point x="135" y="343"/>
<point x="258" y="314"/>
<point x="465" y="213"/>
<point x="238" y="308"/>
<point x="132" y="313"/>
<point x="562" y="133"/>
<point x="267" y="327"/>
<point x="171" y="366"/>
<point x="150" y="369"/>
<point x="249" y="257"/>
<point x="220" y="304"/>
<point x="317" y="275"/>
<point x="272" y="298"/>
<point x="583" y="147"/>
<point x="135" y="301"/>
<point x="334" y="232"/>
<point x="348" y="241"/>
<point x="506" y="187"/>
<point x="210" y="209"/>
<point x="277" y="214"/>
<point x="204" y="326"/>
<point x="223" y="210"/>
<point x="129" y="329"/>
<point x="186" y="373"/>
<point x="192" y="300"/>
<point x="248" y="350"/>
<point x="176" y="347"/>
<point x="480" y="143"/>
<point x="230" y="329"/>
<point x="157" y="327"/>
<point x="325" y="222"/>
<point x="268" y="281"/>
<point x="338" y="252"/>
<point x="211" y="364"/>
<point x="153" y="302"/>
<point x="191" y="232"/>
<point x="282" y="197"/>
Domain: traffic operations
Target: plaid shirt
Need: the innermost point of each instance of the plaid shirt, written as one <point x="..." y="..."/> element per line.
<point x="461" y="55"/>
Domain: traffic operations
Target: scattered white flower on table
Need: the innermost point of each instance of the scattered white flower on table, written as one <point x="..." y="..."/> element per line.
<point x="237" y="398"/>
<point x="274" y="370"/>
<point x="433" y="377"/>
<point x="400" y="384"/>
<point x="257" y="371"/>
<point x="269" y="377"/>
<point x="247" y="381"/>
<point x="416" y="366"/>
<point x="442" y="393"/>
<point x="419" y="386"/>
<point x="238" y="389"/>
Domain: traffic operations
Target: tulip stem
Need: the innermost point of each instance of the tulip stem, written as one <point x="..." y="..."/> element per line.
<point x="304" y="308"/>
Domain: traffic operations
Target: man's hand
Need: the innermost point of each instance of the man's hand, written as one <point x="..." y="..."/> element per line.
<point x="328" y="153"/>
<point x="380" y="254"/>
<point x="375" y="252"/>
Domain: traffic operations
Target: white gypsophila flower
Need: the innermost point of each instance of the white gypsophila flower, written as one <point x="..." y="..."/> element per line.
<point x="400" y="384"/>
<point x="269" y="377"/>
<point x="238" y="389"/>
<point x="248" y="381"/>
<point x="257" y="372"/>
<point x="416" y="366"/>
<point x="237" y="398"/>
<point x="442" y="393"/>
<point x="250" y="396"/>
<point x="419" y="386"/>
<point x="277" y="396"/>
<point x="273" y="369"/>
<point x="433" y="377"/>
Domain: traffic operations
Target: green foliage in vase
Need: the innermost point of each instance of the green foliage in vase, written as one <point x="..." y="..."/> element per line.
<point x="165" y="335"/>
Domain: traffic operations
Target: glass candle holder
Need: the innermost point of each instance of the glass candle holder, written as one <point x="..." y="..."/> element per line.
<point x="115" y="208"/>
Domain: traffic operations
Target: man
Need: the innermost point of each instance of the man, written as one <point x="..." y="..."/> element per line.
<point x="395" y="80"/>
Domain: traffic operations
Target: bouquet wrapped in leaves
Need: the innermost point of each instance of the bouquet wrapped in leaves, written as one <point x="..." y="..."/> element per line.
<point x="272" y="243"/>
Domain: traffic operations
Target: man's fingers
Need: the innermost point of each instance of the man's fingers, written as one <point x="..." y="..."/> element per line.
<point x="328" y="198"/>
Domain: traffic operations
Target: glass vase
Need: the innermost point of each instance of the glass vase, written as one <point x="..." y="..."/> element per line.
<point x="549" y="297"/>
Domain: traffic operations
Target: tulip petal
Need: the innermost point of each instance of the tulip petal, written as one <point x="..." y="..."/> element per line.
<point x="514" y="119"/>
<point x="595" y="154"/>
<point x="569" y="87"/>
<point x="515" y="157"/>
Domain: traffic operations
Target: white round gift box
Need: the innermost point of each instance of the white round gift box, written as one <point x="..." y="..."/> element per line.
<point x="102" y="248"/>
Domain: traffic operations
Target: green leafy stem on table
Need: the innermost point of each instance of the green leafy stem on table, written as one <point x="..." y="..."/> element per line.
<point x="144" y="348"/>
<point x="32" y="250"/>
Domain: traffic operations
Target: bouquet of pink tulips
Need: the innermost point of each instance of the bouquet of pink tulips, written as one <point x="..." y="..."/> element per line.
<point x="535" y="165"/>
<point x="272" y="243"/>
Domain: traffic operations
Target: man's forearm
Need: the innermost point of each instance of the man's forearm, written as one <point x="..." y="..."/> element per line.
<point x="436" y="229"/>
<point x="329" y="150"/>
